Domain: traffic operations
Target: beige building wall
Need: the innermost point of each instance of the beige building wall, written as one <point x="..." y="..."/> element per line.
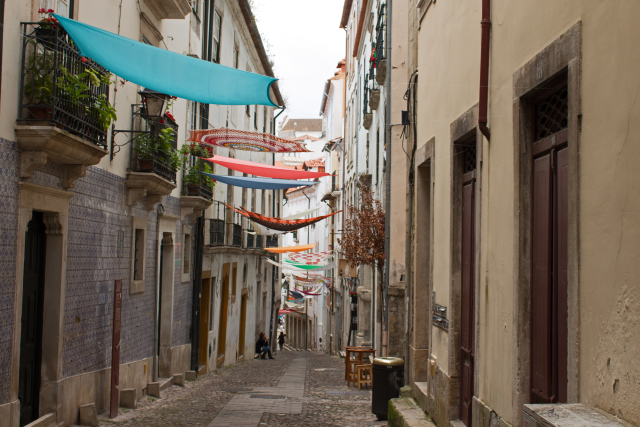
<point x="608" y="311"/>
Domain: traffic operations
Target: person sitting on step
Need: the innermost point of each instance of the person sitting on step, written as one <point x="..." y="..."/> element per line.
<point x="262" y="346"/>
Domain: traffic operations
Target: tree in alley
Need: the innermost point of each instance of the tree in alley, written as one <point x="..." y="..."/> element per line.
<point x="363" y="232"/>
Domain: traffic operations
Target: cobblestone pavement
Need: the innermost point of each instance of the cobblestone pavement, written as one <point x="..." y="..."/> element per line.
<point x="288" y="391"/>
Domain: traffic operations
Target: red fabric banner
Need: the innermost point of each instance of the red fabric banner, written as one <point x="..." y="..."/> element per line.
<point x="259" y="169"/>
<point x="277" y="223"/>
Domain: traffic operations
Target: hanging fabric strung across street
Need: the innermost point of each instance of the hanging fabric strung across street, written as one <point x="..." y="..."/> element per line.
<point x="301" y="214"/>
<point x="246" y="141"/>
<point x="277" y="223"/>
<point x="286" y="249"/>
<point x="312" y="258"/>
<point x="329" y="266"/>
<point x="303" y="264"/>
<point x="259" y="183"/>
<point x="169" y="72"/>
<point x="259" y="169"/>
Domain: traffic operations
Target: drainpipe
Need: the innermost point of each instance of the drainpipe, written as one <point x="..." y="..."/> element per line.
<point x="387" y="202"/>
<point x="156" y="318"/>
<point x="484" y="69"/>
<point x="409" y="280"/>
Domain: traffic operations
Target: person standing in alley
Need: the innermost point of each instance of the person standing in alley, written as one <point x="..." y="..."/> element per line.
<point x="281" y="339"/>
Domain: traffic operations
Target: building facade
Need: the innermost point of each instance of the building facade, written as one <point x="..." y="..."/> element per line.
<point x="81" y="213"/>
<point x="522" y="277"/>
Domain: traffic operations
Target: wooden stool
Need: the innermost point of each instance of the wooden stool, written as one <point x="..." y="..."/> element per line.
<point x="363" y="375"/>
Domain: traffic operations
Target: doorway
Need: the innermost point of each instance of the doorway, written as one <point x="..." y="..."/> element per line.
<point x="549" y="253"/>
<point x="224" y="306"/>
<point x="32" y="319"/>
<point x="205" y="310"/>
<point x="243" y="322"/>
<point x="467" y="291"/>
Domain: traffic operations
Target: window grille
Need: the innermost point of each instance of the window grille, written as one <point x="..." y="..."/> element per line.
<point x="250" y="239"/>
<point x="469" y="158"/>
<point x="552" y="114"/>
<point x="259" y="242"/>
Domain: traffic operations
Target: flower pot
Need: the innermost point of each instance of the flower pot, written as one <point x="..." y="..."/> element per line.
<point x="193" y="190"/>
<point x="374" y="99"/>
<point x="145" y="165"/>
<point x="40" y="113"/>
<point x="45" y="33"/>
<point x="368" y="119"/>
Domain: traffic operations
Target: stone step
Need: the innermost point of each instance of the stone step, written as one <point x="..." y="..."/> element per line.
<point x="48" y="420"/>
<point x="405" y="412"/>
<point x="165" y="383"/>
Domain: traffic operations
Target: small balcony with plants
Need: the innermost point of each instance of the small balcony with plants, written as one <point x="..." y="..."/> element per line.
<point x="197" y="189"/>
<point x="380" y="58"/>
<point x="64" y="111"/>
<point x="155" y="161"/>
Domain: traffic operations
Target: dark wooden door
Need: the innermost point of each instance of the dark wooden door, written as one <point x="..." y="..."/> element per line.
<point x="467" y="312"/>
<point x="115" y="348"/>
<point x="224" y="305"/>
<point x="32" y="309"/>
<point x="549" y="254"/>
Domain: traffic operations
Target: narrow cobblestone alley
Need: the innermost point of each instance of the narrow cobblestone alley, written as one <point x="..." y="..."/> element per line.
<point x="295" y="389"/>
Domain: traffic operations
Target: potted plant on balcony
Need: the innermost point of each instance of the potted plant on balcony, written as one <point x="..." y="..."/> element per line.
<point x="148" y="145"/>
<point x="191" y="179"/>
<point x="48" y="24"/>
<point x="38" y="80"/>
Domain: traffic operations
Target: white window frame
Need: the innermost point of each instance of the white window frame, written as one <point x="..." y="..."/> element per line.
<point x="137" y="286"/>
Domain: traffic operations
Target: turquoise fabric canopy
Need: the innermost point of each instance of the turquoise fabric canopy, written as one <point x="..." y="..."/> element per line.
<point x="169" y="72"/>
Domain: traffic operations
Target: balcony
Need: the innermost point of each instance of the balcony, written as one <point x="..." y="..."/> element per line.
<point x="272" y="241"/>
<point x="152" y="173"/>
<point x="381" y="59"/>
<point x="60" y="114"/>
<point x="225" y="227"/>
<point x="169" y="9"/>
<point x="197" y="189"/>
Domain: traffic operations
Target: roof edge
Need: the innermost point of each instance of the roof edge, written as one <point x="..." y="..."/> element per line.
<point x="345" y="13"/>
<point x="257" y="42"/>
<point x="361" y="18"/>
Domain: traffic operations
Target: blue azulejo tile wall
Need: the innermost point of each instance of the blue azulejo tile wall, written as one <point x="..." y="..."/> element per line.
<point x="98" y="253"/>
<point x="9" y="158"/>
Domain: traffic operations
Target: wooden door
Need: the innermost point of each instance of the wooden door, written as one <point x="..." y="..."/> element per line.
<point x="204" y="324"/>
<point x="243" y="324"/>
<point x="549" y="278"/>
<point x="467" y="312"/>
<point x="224" y="306"/>
<point x="32" y="311"/>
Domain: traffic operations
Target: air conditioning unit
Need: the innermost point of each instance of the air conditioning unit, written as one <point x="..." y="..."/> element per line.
<point x="566" y="415"/>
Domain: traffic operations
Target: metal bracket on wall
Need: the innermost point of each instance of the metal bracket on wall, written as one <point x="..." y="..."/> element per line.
<point x="439" y="314"/>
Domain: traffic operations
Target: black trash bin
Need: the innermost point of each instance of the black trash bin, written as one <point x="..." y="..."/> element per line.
<point x="387" y="379"/>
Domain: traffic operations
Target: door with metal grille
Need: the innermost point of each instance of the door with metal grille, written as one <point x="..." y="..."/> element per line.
<point x="32" y="317"/>
<point x="549" y="253"/>
<point x="467" y="312"/>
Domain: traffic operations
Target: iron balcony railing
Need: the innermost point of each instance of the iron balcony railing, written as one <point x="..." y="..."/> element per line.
<point x="381" y="27"/>
<point x="47" y="95"/>
<point x="237" y="235"/>
<point x="272" y="241"/>
<point x="199" y="189"/>
<point x="156" y="164"/>
<point x="219" y="226"/>
<point x="365" y="103"/>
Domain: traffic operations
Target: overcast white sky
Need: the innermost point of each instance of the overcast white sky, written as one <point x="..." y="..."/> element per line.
<point x="306" y="45"/>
